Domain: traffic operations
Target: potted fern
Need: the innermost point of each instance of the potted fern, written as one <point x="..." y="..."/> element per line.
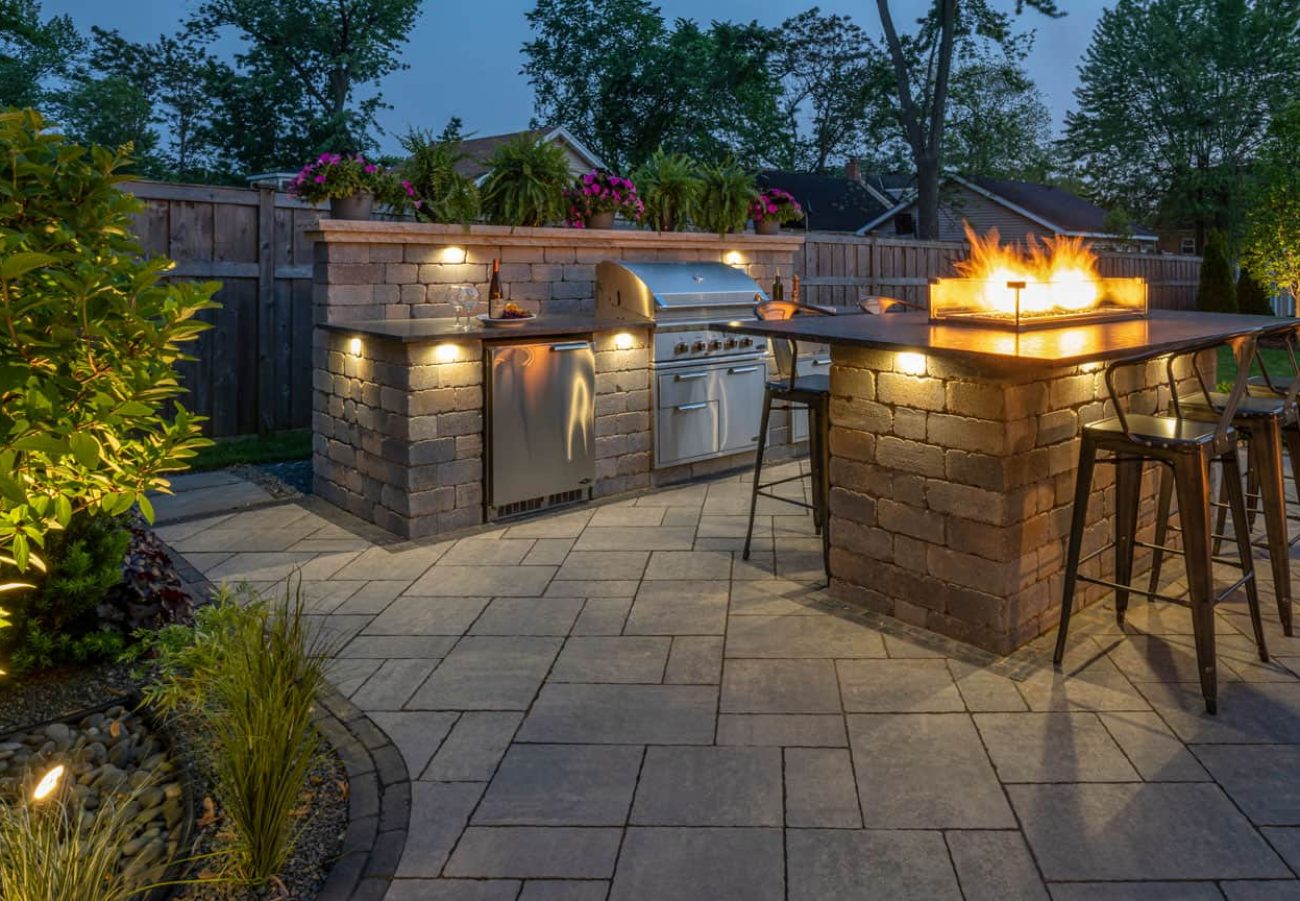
<point x="526" y="187"/>
<point x="430" y="184"/>
<point x="725" y="196"/>
<point x="670" y="188"/>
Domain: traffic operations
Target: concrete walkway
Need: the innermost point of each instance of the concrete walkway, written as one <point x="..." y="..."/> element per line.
<point x="610" y="703"/>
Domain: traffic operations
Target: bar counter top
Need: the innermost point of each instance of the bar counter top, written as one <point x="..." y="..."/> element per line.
<point x="416" y="331"/>
<point x="1061" y="345"/>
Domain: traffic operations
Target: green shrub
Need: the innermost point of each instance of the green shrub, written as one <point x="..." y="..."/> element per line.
<point x="58" y="622"/>
<point x="670" y="186"/>
<point x="436" y="191"/>
<point x="92" y="337"/>
<point x="1251" y="296"/>
<point x="527" y="183"/>
<point x="727" y="191"/>
<point x="1217" y="292"/>
<point x="246" y="676"/>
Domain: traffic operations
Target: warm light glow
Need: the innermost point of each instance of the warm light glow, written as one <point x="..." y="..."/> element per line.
<point x="452" y="255"/>
<point x="623" y="341"/>
<point x="49" y="782"/>
<point x="733" y="258"/>
<point x="446" y="353"/>
<point x="354" y="347"/>
<point x="910" y="363"/>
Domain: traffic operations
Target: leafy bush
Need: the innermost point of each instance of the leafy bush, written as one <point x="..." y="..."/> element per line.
<point x="434" y="188"/>
<point x="1251" y="296"/>
<point x="727" y="192"/>
<point x="58" y="621"/>
<point x="527" y="183"/>
<point x="92" y="339"/>
<point x="246" y="676"/>
<point x="149" y="593"/>
<point x="670" y="188"/>
<point x="1217" y="292"/>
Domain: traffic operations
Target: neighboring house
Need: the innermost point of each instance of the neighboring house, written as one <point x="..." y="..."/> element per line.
<point x="831" y="203"/>
<point x="479" y="150"/>
<point x="1017" y="209"/>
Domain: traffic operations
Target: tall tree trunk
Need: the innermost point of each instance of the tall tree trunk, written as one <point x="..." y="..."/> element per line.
<point x="927" y="198"/>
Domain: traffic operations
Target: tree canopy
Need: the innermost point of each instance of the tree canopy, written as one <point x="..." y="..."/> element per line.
<point x="1174" y="100"/>
<point x="1271" y="247"/>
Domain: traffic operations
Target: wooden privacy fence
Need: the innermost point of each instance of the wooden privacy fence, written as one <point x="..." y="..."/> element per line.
<point x="252" y="371"/>
<point x="253" y="368"/>
<point x="839" y="269"/>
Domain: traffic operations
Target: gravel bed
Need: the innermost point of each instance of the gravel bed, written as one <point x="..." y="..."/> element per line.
<point x="57" y="694"/>
<point x="289" y="479"/>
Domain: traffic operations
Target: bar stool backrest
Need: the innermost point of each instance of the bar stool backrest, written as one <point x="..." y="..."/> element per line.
<point x="785" y="350"/>
<point x="1243" y="351"/>
<point x="876" y="304"/>
<point x="1284" y="334"/>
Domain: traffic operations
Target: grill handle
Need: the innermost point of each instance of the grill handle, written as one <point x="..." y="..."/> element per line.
<point x="821" y="362"/>
<point x="737" y="370"/>
<point x="686" y="408"/>
<point x="571" y="345"/>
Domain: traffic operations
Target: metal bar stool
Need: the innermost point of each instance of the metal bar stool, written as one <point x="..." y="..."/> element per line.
<point x="794" y="390"/>
<point x="1262" y="420"/>
<point x="1187" y="447"/>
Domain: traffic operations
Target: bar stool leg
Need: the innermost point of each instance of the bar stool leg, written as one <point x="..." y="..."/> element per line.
<point x="758" y="469"/>
<point x="814" y="468"/>
<point x="1244" y="550"/>
<point x="1128" y="490"/>
<point x="823" y="477"/>
<point x="1163" y="500"/>
<point x="1291" y="437"/>
<point x="1078" y="519"/>
<point x="1192" y="484"/>
<point x="1265" y="449"/>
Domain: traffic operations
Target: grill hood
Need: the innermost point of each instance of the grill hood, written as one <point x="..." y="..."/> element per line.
<point x="672" y="290"/>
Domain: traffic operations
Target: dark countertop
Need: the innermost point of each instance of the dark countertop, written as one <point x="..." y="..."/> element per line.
<point x="414" y="331"/>
<point x="1064" y="345"/>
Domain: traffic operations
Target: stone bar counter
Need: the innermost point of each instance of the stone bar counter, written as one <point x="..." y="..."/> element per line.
<point x="953" y="456"/>
<point x="398" y="392"/>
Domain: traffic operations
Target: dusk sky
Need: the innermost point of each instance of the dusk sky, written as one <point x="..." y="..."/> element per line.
<point x="464" y="55"/>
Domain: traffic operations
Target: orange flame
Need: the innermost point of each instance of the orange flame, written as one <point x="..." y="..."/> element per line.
<point x="1060" y="274"/>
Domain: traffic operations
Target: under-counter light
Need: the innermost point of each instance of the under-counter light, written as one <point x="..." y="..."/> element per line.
<point x="354" y="347"/>
<point x="446" y="353"/>
<point x="910" y="363"/>
<point x="733" y="258"/>
<point x="452" y="255"/>
<point x="623" y="341"/>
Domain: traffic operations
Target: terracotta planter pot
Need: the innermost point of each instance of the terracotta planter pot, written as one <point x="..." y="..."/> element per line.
<point x="354" y="206"/>
<point x="600" y="220"/>
<point x="767" y="227"/>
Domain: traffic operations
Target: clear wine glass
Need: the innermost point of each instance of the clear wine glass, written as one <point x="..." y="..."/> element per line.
<point x="469" y="298"/>
<point x="456" y="297"/>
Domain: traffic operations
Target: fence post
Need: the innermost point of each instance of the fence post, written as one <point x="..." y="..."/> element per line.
<point x="265" y="308"/>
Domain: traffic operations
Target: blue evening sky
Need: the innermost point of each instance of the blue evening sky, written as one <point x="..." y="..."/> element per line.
<point x="464" y="55"/>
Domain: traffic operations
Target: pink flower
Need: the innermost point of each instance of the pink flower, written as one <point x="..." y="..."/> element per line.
<point x="771" y="207"/>
<point x="320" y="179"/>
<point x="371" y="169"/>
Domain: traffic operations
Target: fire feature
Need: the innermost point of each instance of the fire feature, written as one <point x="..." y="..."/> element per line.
<point x="1054" y="282"/>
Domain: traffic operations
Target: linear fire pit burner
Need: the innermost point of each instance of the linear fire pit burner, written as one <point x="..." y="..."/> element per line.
<point x="1055" y="282"/>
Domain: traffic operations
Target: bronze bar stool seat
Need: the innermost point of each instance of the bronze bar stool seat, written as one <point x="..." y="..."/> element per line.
<point x="1186" y="447"/>
<point x="794" y="391"/>
<point x="1265" y="420"/>
<point x="876" y="304"/>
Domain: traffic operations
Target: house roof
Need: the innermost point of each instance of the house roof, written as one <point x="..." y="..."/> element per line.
<point x="1051" y="207"/>
<point x="479" y="150"/>
<point x="830" y="203"/>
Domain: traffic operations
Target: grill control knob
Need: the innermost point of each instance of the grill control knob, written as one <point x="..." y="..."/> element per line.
<point x="681" y="347"/>
<point x="715" y="344"/>
<point x="697" y="346"/>
<point x="730" y="343"/>
<point x="746" y="342"/>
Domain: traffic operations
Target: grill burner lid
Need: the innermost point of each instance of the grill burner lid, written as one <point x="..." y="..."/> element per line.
<point x="653" y="290"/>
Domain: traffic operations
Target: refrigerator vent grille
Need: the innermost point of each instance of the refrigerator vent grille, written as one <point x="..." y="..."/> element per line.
<point x="533" y="504"/>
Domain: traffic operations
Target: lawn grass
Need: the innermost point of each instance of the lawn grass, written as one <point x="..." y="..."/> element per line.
<point x="1279" y="366"/>
<point x="271" y="448"/>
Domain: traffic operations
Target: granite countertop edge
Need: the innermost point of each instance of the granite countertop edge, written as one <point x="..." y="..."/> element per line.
<point x="415" y="331"/>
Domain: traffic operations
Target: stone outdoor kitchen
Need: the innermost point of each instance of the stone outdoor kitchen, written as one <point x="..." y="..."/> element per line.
<point x="952" y="445"/>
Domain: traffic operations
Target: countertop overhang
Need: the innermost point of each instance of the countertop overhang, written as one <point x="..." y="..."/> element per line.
<point x="416" y="331"/>
<point x="1064" y="346"/>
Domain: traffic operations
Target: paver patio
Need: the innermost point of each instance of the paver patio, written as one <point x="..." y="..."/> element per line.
<point x="609" y="704"/>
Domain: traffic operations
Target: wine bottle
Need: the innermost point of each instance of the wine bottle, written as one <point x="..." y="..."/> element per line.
<point x="778" y="289"/>
<point x="494" y="290"/>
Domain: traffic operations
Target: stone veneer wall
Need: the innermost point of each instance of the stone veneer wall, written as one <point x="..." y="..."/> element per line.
<point x="398" y="435"/>
<point x="966" y="476"/>
<point x="400" y="270"/>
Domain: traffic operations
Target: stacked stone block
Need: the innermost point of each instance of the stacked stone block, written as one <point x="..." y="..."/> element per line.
<point x="956" y="481"/>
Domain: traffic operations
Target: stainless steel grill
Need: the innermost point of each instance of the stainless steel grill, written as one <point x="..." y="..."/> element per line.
<point x="708" y="385"/>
